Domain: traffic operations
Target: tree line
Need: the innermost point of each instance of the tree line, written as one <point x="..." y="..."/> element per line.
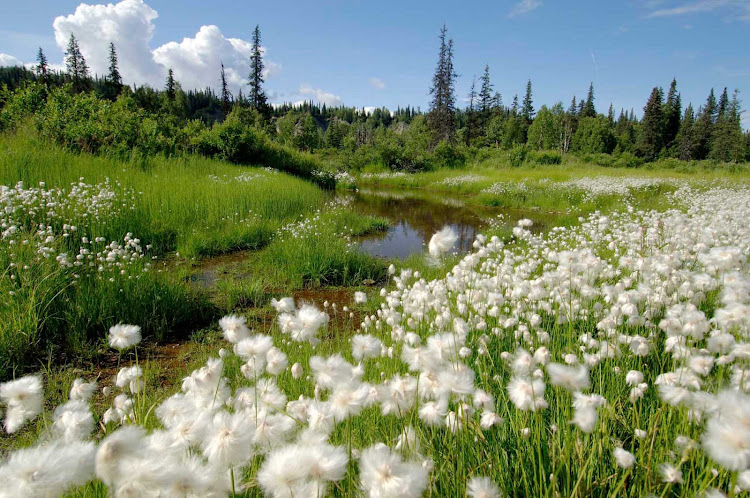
<point x="409" y="138"/>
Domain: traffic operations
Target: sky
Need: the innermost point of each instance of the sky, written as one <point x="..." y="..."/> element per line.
<point x="383" y="53"/>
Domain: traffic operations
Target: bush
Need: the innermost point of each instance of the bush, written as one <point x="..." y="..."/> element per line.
<point x="544" y="157"/>
<point x="517" y="155"/>
<point x="446" y="155"/>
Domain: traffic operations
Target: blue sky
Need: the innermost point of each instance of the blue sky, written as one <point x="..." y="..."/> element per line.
<point x="383" y="53"/>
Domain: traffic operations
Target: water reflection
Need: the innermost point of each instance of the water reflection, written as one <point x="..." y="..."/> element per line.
<point x="415" y="217"/>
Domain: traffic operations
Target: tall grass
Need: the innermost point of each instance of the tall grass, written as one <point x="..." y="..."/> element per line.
<point x="194" y="205"/>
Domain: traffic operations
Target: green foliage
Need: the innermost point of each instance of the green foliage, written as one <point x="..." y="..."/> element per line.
<point x="593" y="136"/>
<point x="517" y="155"/>
<point x="449" y="156"/>
<point x="544" y="157"/>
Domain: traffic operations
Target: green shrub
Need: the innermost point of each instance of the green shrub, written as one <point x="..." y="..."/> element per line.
<point x="544" y="157"/>
<point x="517" y="155"/>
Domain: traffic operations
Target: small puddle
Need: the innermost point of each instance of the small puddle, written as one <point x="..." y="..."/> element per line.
<point x="416" y="216"/>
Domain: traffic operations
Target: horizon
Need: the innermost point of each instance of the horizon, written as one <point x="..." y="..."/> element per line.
<point x="378" y="60"/>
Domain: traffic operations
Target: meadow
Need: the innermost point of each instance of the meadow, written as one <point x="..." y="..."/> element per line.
<point x="90" y="241"/>
<point x="606" y="356"/>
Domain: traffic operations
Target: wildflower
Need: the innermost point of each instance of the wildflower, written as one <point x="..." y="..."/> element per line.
<point x="482" y="487"/>
<point x="360" y="298"/>
<point x="24" y="399"/>
<point x="624" y="458"/>
<point x="283" y="305"/>
<point x="442" y="241"/>
<point x="384" y="474"/>
<point x="527" y="394"/>
<point x="81" y="390"/>
<point x="234" y="328"/>
<point x="572" y="378"/>
<point x="670" y="474"/>
<point x="122" y="336"/>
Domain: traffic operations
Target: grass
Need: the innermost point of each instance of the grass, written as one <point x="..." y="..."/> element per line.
<point x="535" y="186"/>
<point x="192" y="205"/>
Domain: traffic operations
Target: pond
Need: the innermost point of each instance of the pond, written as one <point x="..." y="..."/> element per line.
<point x="416" y="216"/>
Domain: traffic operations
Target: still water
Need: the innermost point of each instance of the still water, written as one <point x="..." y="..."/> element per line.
<point x="416" y="216"/>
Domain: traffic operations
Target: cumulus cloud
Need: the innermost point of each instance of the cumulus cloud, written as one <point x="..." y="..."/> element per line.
<point x="9" y="60"/>
<point x="524" y="7"/>
<point x="194" y="60"/>
<point x="318" y="95"/>
<point x="377" y="83"/>
<point x="129" y="24"/>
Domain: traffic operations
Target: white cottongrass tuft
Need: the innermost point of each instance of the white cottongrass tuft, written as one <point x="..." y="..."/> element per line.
<point x="122" y="337"/>
<point x="624" y="458"/>
<point x="235" y="328"/>
<point x="24" y="399"/>
<point x="482" y="487"/>
<point x="384" y="474"/>
<point x="442" y="241"/>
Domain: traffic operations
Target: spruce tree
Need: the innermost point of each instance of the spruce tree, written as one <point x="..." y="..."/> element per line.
<point x="226" y="97"/>
<point x="443" y="104"/>
<point x="611" y="115"/>
<point x="114" y="72"/>
<point x="257" y="96"/>
<point x="113" y="81"/>
<point x="170" y="88"/>
<point x="589" y="110"/>
<point x="472" y="121"/>
<point x="528" y="105"/>
<point x="651" y="140"/>
<point x="703" y="128"/>
<point x="76" y="65"/>
<point x="726" y="142"/>
<point x="685" y="135"/>
<point x="485" y="94"/>
<point x="42" y="68"/>
<point x="672" y="115"/>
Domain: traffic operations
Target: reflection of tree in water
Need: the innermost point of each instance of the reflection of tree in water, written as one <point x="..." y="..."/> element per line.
<point x="423" y="216"/>
<point x="418" y="216"/>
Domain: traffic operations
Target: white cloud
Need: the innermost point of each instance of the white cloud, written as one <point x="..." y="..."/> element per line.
<point x="129" y="24"/>
<point x="524" y="7"/>
<point x="377" y="83"/>
<point x="740" y="7"/>
<point x="319" y="95"/>
<point x="9" y="60"/>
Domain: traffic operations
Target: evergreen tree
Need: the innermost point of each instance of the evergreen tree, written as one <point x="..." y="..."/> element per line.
<point x="528" y="105"/>
<point x="76" y="65"/>
<point x="723" y="106"/>
<point x="485" y="94"/>
<point x="726" y="142"/>
<point x="443" y="103"/>
<point x="651" y="139"/>
<point x="170" y="88"/>
<point x="588" y="110"/>
<point x="257" y="96"/>
<point x="684" y="139"/>
<point x="703" y="128"/>
<point x="672" y="115"/>
<point x="226" y="97"/>
<point x="42" y="68"/>
<point x="472" y="119"/>
<point x="113" y="81"/>
<point x="611" y="115"/>
<point x="573" y="109"/>
<point x="114" y="72"/>
<point x="514" y="107"/>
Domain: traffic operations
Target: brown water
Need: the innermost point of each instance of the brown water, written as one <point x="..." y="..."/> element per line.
<point x="416" y="216"/>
